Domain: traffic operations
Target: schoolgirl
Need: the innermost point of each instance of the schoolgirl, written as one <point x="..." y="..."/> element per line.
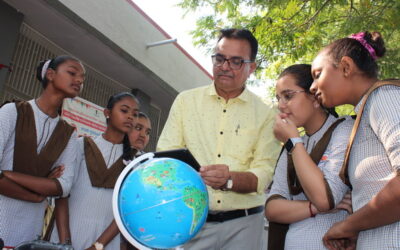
<point x="37" y="151"/>
<point x="306" y="184"/>
<point x="140" y="135"/>
<point x="85" y="219"/>
<point x="346" y="72"/>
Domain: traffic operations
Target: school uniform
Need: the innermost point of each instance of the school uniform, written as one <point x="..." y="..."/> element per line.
<point x="375" y="159"/>
<point x="20" y="220"/>
<point x="308" y="233"/>
<point x="90" y="202"/>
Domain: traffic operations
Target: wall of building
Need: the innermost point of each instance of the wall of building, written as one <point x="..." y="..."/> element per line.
<point x="10" y="21"/>
<point x="128" y="28"/>
<point x="110" y="38"/>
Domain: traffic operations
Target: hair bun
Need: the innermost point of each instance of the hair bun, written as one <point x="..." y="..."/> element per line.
<point x="375" y="39"/>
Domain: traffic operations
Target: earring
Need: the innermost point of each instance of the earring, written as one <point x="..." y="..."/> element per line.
<point x="316" y="105"/>
<point x="107" y="117"/>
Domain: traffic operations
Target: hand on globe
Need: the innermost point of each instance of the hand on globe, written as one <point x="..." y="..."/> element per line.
<point x="215" y="175"/>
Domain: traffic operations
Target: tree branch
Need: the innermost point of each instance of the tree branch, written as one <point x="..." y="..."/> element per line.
<point x="300" y="10"/>
<point x="316" y="13"/>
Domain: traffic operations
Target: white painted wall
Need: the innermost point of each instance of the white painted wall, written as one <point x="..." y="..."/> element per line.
<point x="130" y="30"/>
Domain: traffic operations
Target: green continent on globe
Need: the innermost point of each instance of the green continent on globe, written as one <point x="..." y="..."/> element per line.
<point x="196" y="200"/>
<point x="159" y="173"/>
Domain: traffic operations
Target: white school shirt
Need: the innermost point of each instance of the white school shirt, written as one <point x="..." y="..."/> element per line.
<point x="308" y="233"/>
<point x="90" y="208"/>
<point x="375" y="159"/>
<point x="20" y="220"/>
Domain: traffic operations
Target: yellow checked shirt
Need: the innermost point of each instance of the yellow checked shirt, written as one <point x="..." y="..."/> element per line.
<point x="237" y="133"/>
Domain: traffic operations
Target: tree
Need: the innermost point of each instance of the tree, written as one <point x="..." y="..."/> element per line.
<point x="293" y="31"/>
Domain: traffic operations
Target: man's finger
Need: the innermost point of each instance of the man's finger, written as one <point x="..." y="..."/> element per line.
<point x="214" y="173"/>
<point x="218" y="181"/>
<point x="212" y="184"/>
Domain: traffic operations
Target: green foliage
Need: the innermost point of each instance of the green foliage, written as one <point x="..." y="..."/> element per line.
<point x="293" y="31"/>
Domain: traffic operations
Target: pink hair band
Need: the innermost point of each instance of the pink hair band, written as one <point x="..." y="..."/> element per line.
<point x="360" y="37"/>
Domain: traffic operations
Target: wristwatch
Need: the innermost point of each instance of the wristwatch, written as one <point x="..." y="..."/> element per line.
<point x="98" y="245"/>
<point x="228" y="185"/>
<point x="291" y="143"/>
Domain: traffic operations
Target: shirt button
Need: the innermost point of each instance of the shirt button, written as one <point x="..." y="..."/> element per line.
<point x="218" y="201"/>
<point x="219" y="155"/>
<point x="221" y="133"/>
<point x="224" y="110"/>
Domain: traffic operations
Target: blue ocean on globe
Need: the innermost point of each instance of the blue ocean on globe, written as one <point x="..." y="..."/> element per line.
<point x="163" y="203"/>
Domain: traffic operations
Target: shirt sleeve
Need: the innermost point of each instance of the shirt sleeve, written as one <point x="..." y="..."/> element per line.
<point x="266" y="151"/>
<point x="172" y="134"/>
<point x="279" y="183"/>
<point x="333" y="157"/>
<point x="384" y="119"/>
<point x="68" y="159"/>
<point x="8" y="119"/>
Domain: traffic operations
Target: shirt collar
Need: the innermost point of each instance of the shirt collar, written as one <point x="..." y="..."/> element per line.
<point x="321" y="131"/>
<point x="244" y="96"/>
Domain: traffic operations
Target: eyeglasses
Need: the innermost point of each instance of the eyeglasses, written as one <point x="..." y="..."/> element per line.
<point x="234" y="63"/>
<point x="287" y="95"/>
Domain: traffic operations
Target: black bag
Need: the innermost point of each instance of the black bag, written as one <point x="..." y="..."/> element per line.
<point x="42" y="245"/>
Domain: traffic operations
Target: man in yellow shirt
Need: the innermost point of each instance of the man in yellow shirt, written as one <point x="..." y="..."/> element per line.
<point x="228" y="129"/>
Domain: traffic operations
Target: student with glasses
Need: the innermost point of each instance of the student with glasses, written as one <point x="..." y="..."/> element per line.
<point x="306" y="186"/>
<point x="229" y="131"/>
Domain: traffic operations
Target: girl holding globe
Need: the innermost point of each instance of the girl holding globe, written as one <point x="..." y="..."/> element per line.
<point x="86" y="219"/>
<point x="37" y="151"/>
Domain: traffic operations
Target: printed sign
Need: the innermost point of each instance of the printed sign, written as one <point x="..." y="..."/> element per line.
<point x="87" y="117"/>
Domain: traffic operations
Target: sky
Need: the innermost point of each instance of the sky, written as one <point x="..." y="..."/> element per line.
<point x="170" y="18"/>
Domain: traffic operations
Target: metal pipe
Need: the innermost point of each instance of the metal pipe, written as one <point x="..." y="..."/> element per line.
<point x="163" y="42"/>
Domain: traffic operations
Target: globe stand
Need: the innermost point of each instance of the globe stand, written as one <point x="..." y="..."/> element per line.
<point x="131" y="166"/>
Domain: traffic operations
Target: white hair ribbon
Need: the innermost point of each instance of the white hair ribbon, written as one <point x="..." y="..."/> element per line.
<point x="44" y="69"/>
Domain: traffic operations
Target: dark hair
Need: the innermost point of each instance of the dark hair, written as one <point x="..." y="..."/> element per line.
<point x="355" y="50"/>
<point x="118" y="97"/>
<point x="143" y="115"/>
<point x="304" y="79"/>
<point x="54" y="63"/>
<point x="128" y="152"/>
<point x="302" y="74"/>
<point x="241" y="34"/>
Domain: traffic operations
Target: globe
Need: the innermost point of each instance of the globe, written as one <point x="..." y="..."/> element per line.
<point x="161" y="203"/>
